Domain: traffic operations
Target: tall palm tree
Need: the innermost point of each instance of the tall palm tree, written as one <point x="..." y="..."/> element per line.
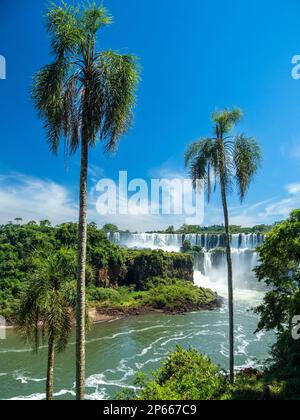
<point x="223" y="160"/>
<point x="48" y="306"/>
<point x="84" y="96"/>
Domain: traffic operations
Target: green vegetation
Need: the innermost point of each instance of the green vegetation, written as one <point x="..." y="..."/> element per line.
<point x="218" y="229"/>
<point x="279" y="269"/>
<point x="169" y="295"/>
<point x="116" y="278"/>
<point x="187" y="375"/>
<point x="142" y="265"/>
<point x="18" y="243"/>
<point x="110" y="228"/>
<point x="48" y="304"/>
<point x="186" y="247"/>
<point x="202" y="230"/>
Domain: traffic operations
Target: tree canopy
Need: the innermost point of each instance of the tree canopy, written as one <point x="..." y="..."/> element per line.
<point x="279" y="268"/>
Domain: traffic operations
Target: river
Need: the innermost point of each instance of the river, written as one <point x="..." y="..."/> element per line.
<point x="117" y="350"/>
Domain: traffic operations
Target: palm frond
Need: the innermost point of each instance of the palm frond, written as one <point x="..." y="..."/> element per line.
<point x="47" y="94"/>
<point x="94" y="17"/>
<point x="200" y="158"/>
<point x="120" y="77"/>
<point x="224" y="158"/>
<point x="225" y="163"/>
<point x="225" y="120"/>
<point x="63" y="27"/>
<point x="71" y="122"/>
<point x="247" y="160"/>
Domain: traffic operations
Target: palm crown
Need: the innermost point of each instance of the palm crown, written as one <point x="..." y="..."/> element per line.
<point x="224" y="157"/>
<point x="83" y="92"/>
<point x="47" y="306"/>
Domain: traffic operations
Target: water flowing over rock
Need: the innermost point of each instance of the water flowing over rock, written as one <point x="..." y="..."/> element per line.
<point x="210" y="264"/>
<point x="173" y="242"/>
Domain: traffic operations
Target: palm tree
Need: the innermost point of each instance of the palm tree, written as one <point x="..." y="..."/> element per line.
<point x="224" y="160"/>
<point x="84" y="97"/>
<point x="48" y="306"/>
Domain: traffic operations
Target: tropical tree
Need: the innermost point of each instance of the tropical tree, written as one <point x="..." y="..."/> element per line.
<point x="110" y="228"/>
<point x="48" y="305"/>
<point x="279" y="262"/>
<point x="223" y="160"/>
<point x="83" y="96"/>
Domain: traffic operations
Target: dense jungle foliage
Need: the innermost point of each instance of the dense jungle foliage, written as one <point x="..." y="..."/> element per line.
<point x="116" y="277"/>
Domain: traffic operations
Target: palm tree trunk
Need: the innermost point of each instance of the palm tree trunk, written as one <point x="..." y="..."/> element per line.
<point x="82" y="244"/>
<point x="230" y="281"/>
<point x="50" y="370"/>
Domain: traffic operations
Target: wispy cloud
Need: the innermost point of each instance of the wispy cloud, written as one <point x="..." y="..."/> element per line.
<point x="95" y="171"/>
<point x="294" y="188"/>
<point x="37" y="199"/>
<point x="268" y="211"/>
<point x="146" y="220"/>
<point x="34" y="199"/>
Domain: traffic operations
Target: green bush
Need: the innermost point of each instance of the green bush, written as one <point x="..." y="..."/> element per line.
<point x="103" y="295"/>
<point x="185" y="375"/>
<point x="190" y="376"/>
<point x="179" y="295"/>
<point x="168" y="294"/>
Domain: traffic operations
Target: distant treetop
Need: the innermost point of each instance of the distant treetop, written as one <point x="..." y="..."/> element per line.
<point x="216" y="229"/>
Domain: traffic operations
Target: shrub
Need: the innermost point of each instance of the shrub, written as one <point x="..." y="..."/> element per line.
<point x="185" y="375"/>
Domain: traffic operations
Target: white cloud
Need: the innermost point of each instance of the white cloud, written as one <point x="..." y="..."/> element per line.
<point x="37" y="199"/>
<point x="268" y="211"/>
<point x="148" y="221"/>
<point x="293" y="188"/>
<point x="34" y="199"/>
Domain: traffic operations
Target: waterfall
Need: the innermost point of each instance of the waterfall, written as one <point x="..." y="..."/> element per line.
<point x="210" y="265"/>
<point x="173" y="242"/>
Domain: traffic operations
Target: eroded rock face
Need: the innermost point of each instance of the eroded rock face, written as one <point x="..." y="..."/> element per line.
<point x="142" y="265"/>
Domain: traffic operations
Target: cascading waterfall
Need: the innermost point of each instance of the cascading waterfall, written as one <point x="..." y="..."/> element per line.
<point x="210" y="265"/>
<point x="173" y="242"/>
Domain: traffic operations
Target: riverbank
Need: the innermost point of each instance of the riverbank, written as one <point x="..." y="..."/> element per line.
<point x="163" y="296"/>
<point x="100" y="315"/>
<point x="109" y="314"/>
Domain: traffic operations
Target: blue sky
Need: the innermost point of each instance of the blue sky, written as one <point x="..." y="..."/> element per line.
<point x="197" y="56"/>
